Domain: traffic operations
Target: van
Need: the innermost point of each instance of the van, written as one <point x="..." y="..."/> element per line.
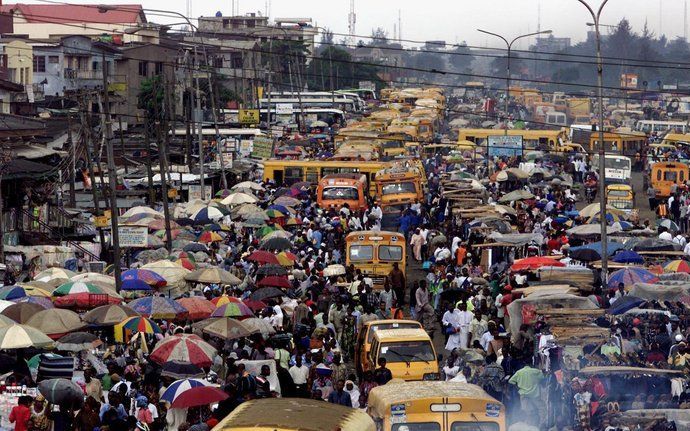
<point x="409" y="354"/>
<point x="374" y="253"/>
<point x="666" y="174"/>
<point x="294" y="414"/>
<point x="366" y="336"/>
<point x="336" y="190"/>
<point x="620" y="196"/>
<point x="435" y="406"/>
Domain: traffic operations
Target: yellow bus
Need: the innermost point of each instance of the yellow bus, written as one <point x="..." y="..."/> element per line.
<point x="531" y="139"/>
<point x="666" y="174"/>
<point x="366" y="337"/>
<point x="294" y="414"/>
<point x="375" y="252"/>
<point x="626" y="143"/>
<point x="409" y="353"/>
<point x="288" y="172"/>
<point x="437" y="406"/>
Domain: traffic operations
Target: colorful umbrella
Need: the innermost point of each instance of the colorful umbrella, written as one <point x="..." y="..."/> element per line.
<point x="186" y="348"/>
<point x="186" y="263"/>
<point x="84" y="295"/>
<point x="262" y="257"/>
<point x="209" y="237"/>
<point x="132" y="279"/>
<point x="109" y="315"/>
<point x="207" y="215"/>
<point x="679" y="265"/>
<point x="174" y="233"/>
<point x="535" y="262"/>
<point x="236" y="310"/>
<point x="9" y="293"/>
<point x="293" y="221"/>
<point x="177" y="387"/>
<point x="75" y="287"/>
<point x="39" y="300"/>
<point x="274" y="213"/>
<point x="140" y="324"/>
<point x="199" y="396"/>
<point x="275" y="281"/>
<point x="630" y="276"/>
<point x="158" y="307"/>
<point x="266" y="230"/>
<point x="223" y="299"/>
<point x="52" y="273"/>
<point x="199" y="307"/>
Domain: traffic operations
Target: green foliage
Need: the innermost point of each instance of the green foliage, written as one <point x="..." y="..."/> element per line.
<point x="284" y="57"/>
<point x="151" y="93"/>
<point x="333" y="68"/>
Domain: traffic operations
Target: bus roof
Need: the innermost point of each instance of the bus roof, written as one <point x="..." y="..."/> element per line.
<point x="298" y="414"/>
<point x="392" y="321"/>
<point x="413" y="334"/>
<point x="382" y="397"/>
<point x="369" y="234"/>
<point x="350" y="179"/>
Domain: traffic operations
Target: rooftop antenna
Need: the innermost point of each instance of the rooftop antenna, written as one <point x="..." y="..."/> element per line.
<point x="188" y="12"/>
<point x="351" y="21"/>
<point x="399" y="27"/>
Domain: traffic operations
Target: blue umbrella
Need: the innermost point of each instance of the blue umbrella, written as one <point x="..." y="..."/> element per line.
<point x="625" y="303"/>
<point x="282" y="208"/>
<point x="628" y="256"/>
<point x="179" y="386"/>
<point x="630" y="276"/>
<point x="611" y="248"/>
<point x="135" y="284"/>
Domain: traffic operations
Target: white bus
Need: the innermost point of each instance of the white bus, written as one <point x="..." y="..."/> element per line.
<point x="617" y="169"/>
<point x="651" y="126"/>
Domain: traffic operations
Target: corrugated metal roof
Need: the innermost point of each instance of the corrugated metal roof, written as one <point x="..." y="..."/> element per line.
<point x="72" y="13"/>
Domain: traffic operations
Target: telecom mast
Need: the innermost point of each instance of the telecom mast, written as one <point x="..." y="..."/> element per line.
<point x="351" y="21"/>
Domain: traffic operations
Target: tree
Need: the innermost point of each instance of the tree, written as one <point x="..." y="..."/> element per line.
<point x="678" y="51"/>
<point x="334" y="69"/>
<point x="461" y="58"/>
<point x="327" y="37"/>
<point x="287" y="58"/>
<point x="647" y="55"/>
<point x="379" y="37"/>
<point x="150" y="94"/>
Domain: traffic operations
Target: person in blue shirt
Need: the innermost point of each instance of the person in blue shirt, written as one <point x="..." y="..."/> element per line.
<point x="316" y="237"/>
<point x="339" y="396"/>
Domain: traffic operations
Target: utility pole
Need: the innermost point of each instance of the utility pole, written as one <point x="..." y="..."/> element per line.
<point x="223" y="180"/>
<point x="161" y="161"/>
<point x="149" y="171"/>
<point x="122" y="144"/>
<point x="72" y="164"/>
<point x="199" y="125"/>
<point x="112" y="178"/>
<point x="88" y="142"/>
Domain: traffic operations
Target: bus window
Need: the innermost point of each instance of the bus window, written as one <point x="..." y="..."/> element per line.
<point x="390" y="253"/>
<point x="278" y="176"/>
<point x="396" y="188"/>
<point x="682" y="176"/>
<point x="362" y="252"/>
<point x="658" y="175"/>
<point x="418" y="426"/>
<point x="347" y="193"/>
<point x="670" y="176"/>
<point x="312" y="175"/>
<point x="293" y="175"/>
<point x="407" y="351"/>
<point x="472" y="426"/>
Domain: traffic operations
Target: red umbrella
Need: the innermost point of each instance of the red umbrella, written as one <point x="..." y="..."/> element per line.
<point x="275" y="281"/>
<point x="199" y="308"/>
<point x="186" y="348"/>
<point x="263" y="257"/>
<point x="534" y="262"/>
<point x="198" y="396"/>
<point x="255" y="305"/>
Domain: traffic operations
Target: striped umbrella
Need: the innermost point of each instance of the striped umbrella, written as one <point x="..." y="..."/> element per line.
<point x="84" y="295"/>
<point x="186" y="348"/>
<point x="22" y="336"/>
<point x="678" y="265"/>
<point x="199" y="307"/>
<point x="285" y="258"/>
<point x="209" y="237"/>
<point x="140" y="324"/>
<point x="158" y="307"/>
<point x="9" y="293"/>
<point x="132" y="279"/>
<point x="630" y="276"/>
<point x="186" y="263"/>
<point x="174" y="233"/>
<point x="223" y="299"/>
<point x="178" y="387"/>
<point x="51" y="273"/>
<point x="75" y="287"/>
<point x="236" y="310"/>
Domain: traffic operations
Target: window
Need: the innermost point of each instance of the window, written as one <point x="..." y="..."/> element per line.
<point x="218" y="62"/>
<point x="143" y="68"/>
<point x="333" y="193"/>
<point x="39" y="63"/>
<point x="407" y="351"/>
<point x="293" y="175"/>
<point x="53" y="59"/>
<point x="671" y="176"/>
<point x="390" y="253"/>
<point x="474" y="426"/>
<point x="361" y="252"/>
<point x="159" y="68"/>
<point x="419" y="426"/>
<point x="237" y="61"/>
<point x="391" y="189"/>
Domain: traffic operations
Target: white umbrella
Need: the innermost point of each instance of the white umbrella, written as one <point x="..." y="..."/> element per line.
<point x="250" y="185"/>
<point x="213" y="213"/>
<point x="141" y="210"/>
<point x="333" y="270"/>
<point x="239" y="198"/>
<point x="51" y="273"/>
<point x="92" y="277"/>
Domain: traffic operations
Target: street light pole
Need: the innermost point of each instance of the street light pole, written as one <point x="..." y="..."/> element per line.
<point x="602" y="150"/>
<point x="509" y="45"/>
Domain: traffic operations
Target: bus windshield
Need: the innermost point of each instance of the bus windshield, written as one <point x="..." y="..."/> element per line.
<point x="362" y="252"/>
<point x="392" y="189"/>
<point x="617" y="163"/>
<point x="333" y="193"/>
<point x="407" y="351"/>
<point x="671" y="176"/>
<point x="390" y="252"/>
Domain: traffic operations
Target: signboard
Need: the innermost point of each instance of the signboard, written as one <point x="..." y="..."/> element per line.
<point x="501" y="145"/>
<point x="133" y="236"/>
<point x="195" y="192"/>
<point x="262" y="148"/>
<point x="101" y="221"/>
<point x="248" y="116"/>
<point x="284" y="109"/>
<point x="367" y="85"/>
<point x="629" y="81"/>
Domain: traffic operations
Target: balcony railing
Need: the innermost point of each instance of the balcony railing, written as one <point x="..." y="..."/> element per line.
<point x="83" y="74"/>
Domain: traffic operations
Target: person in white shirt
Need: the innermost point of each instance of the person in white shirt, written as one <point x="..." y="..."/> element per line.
<point x="299" y="373"/>
<point x="680" y="240"/>
<point x="686" y="250"/>
<point x="665" y="234"/>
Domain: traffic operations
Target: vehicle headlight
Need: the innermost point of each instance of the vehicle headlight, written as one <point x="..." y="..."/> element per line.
<point x="431" y="376"/>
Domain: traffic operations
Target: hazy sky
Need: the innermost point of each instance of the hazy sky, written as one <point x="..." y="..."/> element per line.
<point x="449" y="20"/>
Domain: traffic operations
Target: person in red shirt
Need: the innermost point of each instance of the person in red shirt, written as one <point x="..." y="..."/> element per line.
<point x="21" y="414"/>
